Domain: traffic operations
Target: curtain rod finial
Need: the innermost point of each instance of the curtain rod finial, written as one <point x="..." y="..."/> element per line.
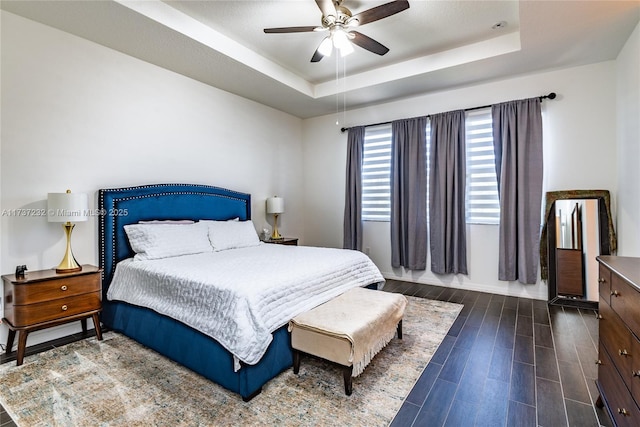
<point x="552" y="95"/>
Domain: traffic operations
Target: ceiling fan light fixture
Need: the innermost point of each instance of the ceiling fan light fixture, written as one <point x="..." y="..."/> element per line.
<point x="326" y="47"/>
<point x="340" y="39"/>
<point x="346" y="49"/>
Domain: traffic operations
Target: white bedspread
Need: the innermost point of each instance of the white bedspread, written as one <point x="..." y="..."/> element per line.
<point x="240" y="296"/>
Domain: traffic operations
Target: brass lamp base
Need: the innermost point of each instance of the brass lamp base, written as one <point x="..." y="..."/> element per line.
<point x="68" y="263"/>
<point x="275" y="235"/>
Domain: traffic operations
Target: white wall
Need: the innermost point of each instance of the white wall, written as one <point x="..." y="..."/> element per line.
<point x="579" y="133"/>
<point x="80" y="116"/>
<point x="628" y="137"/>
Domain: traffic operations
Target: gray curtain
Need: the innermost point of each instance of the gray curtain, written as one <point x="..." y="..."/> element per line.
<point x="517" y="139"/>
<point x="409" y="194"/>
<point x="353" y="191"/>
<point x="447" y="183"/>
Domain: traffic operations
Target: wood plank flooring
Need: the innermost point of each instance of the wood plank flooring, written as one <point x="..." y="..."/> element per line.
<point x="506" y="361"/>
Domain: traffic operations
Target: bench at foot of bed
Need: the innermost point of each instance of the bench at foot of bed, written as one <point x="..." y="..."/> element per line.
<point x="348" y="330"/>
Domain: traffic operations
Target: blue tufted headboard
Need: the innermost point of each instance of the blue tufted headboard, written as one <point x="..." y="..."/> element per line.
<point x="118" y="207"/>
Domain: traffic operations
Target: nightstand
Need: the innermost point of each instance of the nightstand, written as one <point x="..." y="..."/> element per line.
<point x="45" y="298"/>
<point x="292" y="241"/>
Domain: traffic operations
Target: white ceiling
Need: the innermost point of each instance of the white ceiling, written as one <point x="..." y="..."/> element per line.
<point x="434" y="45"/>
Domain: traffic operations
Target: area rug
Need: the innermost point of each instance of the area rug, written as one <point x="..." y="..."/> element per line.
<point x="117" y="382"/>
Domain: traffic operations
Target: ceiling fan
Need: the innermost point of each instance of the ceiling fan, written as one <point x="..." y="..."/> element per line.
<point x="341" y="24"/>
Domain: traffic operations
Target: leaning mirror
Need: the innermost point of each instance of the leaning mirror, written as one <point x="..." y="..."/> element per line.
<point x="578" y="227"/>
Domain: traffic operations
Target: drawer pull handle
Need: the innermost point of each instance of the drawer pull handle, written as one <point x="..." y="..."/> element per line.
<point x="64" y="308"/>
<point x="623" y="352"/>
<point x="598" y="362"/>
<point x="636" y="373"/>
<point x="623" y="412"/>
<point x="63" y="287"/>
<point x="598" y="316"/>
<point x="601" y="280"/>
<point x="615" y="293"/>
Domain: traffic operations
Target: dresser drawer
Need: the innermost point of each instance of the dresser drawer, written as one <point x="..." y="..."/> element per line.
<point x="616" y="338"/>
<point x="635" y="369"/>
<point x="56" y="309"/>
<point x="604" y="282"/>
<point x="623" y="408"/>
<point x="625" y="300"/>
<point x="53" y="289"/>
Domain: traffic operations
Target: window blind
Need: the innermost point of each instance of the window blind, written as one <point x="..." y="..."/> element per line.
<point x="376" y="173"/>
<point x="483" y="206"/>
<point x="482" y="203"/>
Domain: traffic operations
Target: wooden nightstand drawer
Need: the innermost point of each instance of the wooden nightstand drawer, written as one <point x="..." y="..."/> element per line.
<point x="53" y="289"/>
<point x="46" y="298"/>
<point x="56" y="309"/>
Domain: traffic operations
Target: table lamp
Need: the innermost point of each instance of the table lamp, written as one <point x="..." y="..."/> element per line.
<point x="67" y="208"/>
<point x="275" y="206"/>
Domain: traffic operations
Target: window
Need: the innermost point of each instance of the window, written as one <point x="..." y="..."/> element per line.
<point x="482" y="205"/>
<point x="376" y="173"/>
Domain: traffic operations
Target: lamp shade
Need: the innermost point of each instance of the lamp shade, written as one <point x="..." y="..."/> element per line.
<point x="275" y="205"/>
<point x="67" y="207"/>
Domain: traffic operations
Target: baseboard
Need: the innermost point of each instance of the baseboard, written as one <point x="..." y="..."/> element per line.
<point x="508" y="289"/>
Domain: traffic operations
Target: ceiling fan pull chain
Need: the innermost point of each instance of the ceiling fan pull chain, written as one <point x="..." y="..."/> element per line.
<point x="344" y="89"/>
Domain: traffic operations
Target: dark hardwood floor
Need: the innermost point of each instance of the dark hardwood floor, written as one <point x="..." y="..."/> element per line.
<point x="506" y="361"/>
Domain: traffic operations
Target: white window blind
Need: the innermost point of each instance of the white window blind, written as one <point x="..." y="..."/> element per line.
<point x="483" y="206"/>
<point x="376" y="173"/>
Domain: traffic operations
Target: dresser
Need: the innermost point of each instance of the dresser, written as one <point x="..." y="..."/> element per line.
<point x="43" y="299"/>
<point x="619" y="346"/>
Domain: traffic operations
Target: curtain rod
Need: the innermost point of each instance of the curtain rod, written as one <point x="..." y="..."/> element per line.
<point x="552" y="95"/>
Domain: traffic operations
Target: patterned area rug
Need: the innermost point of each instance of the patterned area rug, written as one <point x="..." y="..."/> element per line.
<point x="117" y="382"/>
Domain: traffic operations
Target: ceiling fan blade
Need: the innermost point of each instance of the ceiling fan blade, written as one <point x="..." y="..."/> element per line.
<point x="327" y="7"/>
<point x="381" y="11"/>
<point x="317" y="56"/>
<point x="290" y="30"/>
<point x="368" y="43"/>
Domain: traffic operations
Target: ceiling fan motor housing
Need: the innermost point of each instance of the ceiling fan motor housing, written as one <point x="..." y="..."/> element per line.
<point x="344" y="18"/>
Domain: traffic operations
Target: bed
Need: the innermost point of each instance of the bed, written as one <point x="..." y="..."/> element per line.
<point x="120" y="207"/>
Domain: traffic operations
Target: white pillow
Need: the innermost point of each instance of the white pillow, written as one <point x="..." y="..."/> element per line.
<point x="232" y="234"/>
<point x="155" y="241"/>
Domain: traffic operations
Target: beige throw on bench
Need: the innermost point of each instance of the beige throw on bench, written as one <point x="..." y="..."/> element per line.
<point x="367" y="318"/>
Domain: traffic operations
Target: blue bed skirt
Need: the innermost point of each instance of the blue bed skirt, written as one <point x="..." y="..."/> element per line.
<point x="197" y="351"/>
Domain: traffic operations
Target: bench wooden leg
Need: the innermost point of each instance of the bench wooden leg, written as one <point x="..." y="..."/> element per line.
<point x="400" y="329"/>
<point x="296" y="361"/>
<point x="348" y="381"/>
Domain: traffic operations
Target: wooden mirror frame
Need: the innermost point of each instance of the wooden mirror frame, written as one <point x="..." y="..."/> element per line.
<point x="608" y="241"/>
